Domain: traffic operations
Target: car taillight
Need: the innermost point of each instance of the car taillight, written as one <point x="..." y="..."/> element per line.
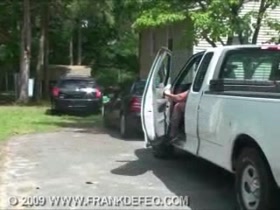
<point x="98" y="93"/>
<point x="55" y="91"/>
<point x="135" y="104"/>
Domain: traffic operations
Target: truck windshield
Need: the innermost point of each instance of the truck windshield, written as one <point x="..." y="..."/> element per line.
<point x="251" y="64"/>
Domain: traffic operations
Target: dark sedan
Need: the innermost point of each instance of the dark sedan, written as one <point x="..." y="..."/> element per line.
<point x="76" y="94"/>
<point x="123" y="110"/>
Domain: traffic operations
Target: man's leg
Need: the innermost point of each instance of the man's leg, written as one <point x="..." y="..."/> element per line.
<point x="177" y="116"/>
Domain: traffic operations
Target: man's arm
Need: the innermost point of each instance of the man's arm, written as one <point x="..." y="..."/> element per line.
<point x="178" y="97"/>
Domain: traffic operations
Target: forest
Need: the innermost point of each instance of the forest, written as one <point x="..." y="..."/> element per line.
<point x="104" y="34"/>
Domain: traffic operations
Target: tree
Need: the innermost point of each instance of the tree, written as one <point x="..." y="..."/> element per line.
<point x="83" y="14"/>
<point x="275" y="25"/>
<point x="25" y="53"/>
<point x="161" y="12"/>
<point x="264" y="6"/>
<point x="213" y="20"/>
<point x="106" y="41"/>
<point x="42" y="62"/>
<point x="10" y="13"/>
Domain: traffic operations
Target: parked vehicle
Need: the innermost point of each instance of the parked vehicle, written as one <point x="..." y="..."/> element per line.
<point x="76" y="94"/>
<point x="123" y="109"/>
<point x="231" y="115"/>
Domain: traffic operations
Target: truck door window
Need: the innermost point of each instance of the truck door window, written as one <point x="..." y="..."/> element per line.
<point x="163" y="72"/>
<point x="187" y="75"/>
<point x="185" y="78"/>
<point x="201" y="72"/>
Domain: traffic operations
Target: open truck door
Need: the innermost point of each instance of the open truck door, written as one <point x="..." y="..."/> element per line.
<point x="155" y="107"/>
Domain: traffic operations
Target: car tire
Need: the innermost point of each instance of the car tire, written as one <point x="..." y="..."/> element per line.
<point x="124" y="129"/>
<point x="254" y="183"/>
<point x="54" y="110"/>
<point x="97" y="110"/>
<point x="163" y="150"/>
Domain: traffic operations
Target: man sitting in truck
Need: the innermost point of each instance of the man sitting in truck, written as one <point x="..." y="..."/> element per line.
<point x="178" y="112"/>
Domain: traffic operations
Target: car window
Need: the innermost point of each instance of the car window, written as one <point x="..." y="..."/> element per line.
<point x="76" y="83"/>
<point x="251" y="64"/>
<point x="138" y="88"/>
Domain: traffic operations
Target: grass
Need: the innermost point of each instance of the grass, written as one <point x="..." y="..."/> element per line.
<point x="17" y="120"/>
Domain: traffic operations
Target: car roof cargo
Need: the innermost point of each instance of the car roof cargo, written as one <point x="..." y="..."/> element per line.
<point x="58" y="71"/>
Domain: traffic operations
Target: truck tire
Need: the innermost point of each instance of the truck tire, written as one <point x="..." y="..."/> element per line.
<point x="163" y="150"/>
<point x="254" y="183"/>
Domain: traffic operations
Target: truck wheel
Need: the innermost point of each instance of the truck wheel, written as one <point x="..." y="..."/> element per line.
<point x="163" y="151"/>
<point x="124" y="130"/>
<point x="254" y="182"/>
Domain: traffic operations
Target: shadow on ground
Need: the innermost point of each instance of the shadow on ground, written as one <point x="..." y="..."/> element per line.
<point x="7" y="98"/>
<point x="208" y="187"/>
<point x="82" y="122"/>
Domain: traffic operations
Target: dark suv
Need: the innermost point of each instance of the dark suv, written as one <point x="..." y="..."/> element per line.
<point x="76" y="94"/>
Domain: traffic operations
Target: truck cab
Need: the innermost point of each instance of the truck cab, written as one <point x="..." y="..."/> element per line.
<point x="231" y="114"/>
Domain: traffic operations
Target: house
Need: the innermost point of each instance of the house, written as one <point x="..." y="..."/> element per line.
<point x="176" y="37"/>
<point x="179" y="38"/>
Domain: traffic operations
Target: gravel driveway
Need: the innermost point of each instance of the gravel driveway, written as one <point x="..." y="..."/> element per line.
<point x="95" y="162"/>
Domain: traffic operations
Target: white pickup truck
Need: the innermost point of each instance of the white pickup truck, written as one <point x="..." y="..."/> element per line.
<point x="232" y="115"/>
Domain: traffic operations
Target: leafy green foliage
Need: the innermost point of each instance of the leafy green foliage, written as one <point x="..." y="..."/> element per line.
<point x="219" y="19"/>
<point x="109" y="44"/>
<point x="9" y="31"/>
<point x="157" y="13"/>
<point x="213" y="20"/>
<point x="275" y="25"/>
